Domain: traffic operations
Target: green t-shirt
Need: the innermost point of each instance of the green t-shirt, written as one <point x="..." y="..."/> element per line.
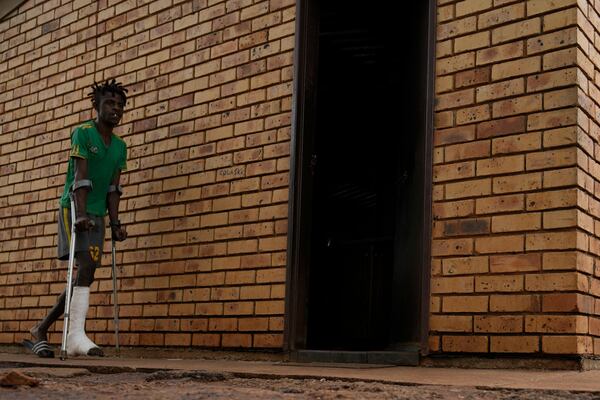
<point x="103" y="164"/>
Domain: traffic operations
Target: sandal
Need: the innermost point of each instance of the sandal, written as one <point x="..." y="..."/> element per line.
<point x="40" y="348"/>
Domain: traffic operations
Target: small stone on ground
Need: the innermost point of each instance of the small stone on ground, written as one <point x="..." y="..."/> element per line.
<point x="16" y="378"/>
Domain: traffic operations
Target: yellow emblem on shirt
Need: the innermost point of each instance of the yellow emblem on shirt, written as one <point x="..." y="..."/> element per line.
<point x="75" y="151"/>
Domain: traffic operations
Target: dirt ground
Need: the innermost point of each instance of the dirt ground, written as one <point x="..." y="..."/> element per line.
<point x="81" y="384"/>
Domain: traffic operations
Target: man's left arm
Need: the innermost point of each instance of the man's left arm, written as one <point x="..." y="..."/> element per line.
<point x="113" y="198"/>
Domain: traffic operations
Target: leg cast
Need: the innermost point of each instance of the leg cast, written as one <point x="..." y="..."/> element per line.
<point x="78" y="343"/>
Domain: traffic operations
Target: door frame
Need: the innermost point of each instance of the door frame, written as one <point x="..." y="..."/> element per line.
<point x="295" y="319"/>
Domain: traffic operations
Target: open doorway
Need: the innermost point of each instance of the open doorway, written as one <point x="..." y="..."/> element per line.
<point x="359" y="258"/>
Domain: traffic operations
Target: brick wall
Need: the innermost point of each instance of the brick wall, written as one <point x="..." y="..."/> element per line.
<point x="588" y="59"/>
<point x="516" y="199"/>
<point x="208" y="129"/>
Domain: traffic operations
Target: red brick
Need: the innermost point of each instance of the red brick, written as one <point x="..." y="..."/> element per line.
<point x="514" y="303"/>
<point x="498" y="324"/>
<point x="515" y="263"/>
<point x="571" y="344"/>
<point x="556" y="324"/>
<point x="450" y="323"/>
<point x="465" y="344"/>
<point x="465" y="304"/>
<point x="567" y="302"/>
<point x="454" y="135"/>
<point x="501" y="127"/>
<point x="515" y="344"/>
<point x="499" y="283"/>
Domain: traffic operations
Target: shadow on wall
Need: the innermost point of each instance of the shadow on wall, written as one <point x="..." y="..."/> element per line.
<point x="9" y="7"/>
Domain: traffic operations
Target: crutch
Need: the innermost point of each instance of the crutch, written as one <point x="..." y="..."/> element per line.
<point x="63" y="348"/>
<point x="115" y="301"/>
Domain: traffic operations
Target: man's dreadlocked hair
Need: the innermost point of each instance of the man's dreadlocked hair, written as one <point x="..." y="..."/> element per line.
<point x="109" y="86"/>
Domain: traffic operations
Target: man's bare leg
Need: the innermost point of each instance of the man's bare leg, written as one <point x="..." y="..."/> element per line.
<point x="40" y="330"/>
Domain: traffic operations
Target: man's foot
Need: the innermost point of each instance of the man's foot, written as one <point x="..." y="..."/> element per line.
<point x="40" y="348"/>
<point x="95" y="351"/>
<point x="82" y="346"/>
<point x="78" y="344"/>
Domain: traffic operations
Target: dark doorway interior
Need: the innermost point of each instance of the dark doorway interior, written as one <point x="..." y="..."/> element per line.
<point x="363" y="155"/>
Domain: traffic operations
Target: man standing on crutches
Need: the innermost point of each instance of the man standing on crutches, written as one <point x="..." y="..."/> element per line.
<point x="96" y="160"/>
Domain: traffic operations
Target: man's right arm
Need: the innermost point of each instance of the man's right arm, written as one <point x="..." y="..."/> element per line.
<point x="82" y="222"/>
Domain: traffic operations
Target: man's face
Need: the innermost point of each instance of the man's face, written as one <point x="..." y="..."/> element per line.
<point x="110" y="109"/>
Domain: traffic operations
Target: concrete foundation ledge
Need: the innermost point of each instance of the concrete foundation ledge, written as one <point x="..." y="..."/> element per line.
<point x="517" y="361"/>
<point x="410" y="358"/>
<point x="138" y="352"/>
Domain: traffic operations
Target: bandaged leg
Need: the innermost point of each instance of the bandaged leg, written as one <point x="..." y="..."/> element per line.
<point x="78" y="343"/>
<point x="85" y="277"/>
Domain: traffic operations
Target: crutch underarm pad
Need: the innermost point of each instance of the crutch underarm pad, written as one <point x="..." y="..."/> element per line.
<point x="115" y="188"/>
<point x="82" y="183"/>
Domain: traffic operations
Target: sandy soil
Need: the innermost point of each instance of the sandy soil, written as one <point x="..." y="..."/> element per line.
<point x="205" y="385"/>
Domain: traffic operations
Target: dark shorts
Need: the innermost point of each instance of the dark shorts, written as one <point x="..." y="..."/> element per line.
<point x="92" y="240"/>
